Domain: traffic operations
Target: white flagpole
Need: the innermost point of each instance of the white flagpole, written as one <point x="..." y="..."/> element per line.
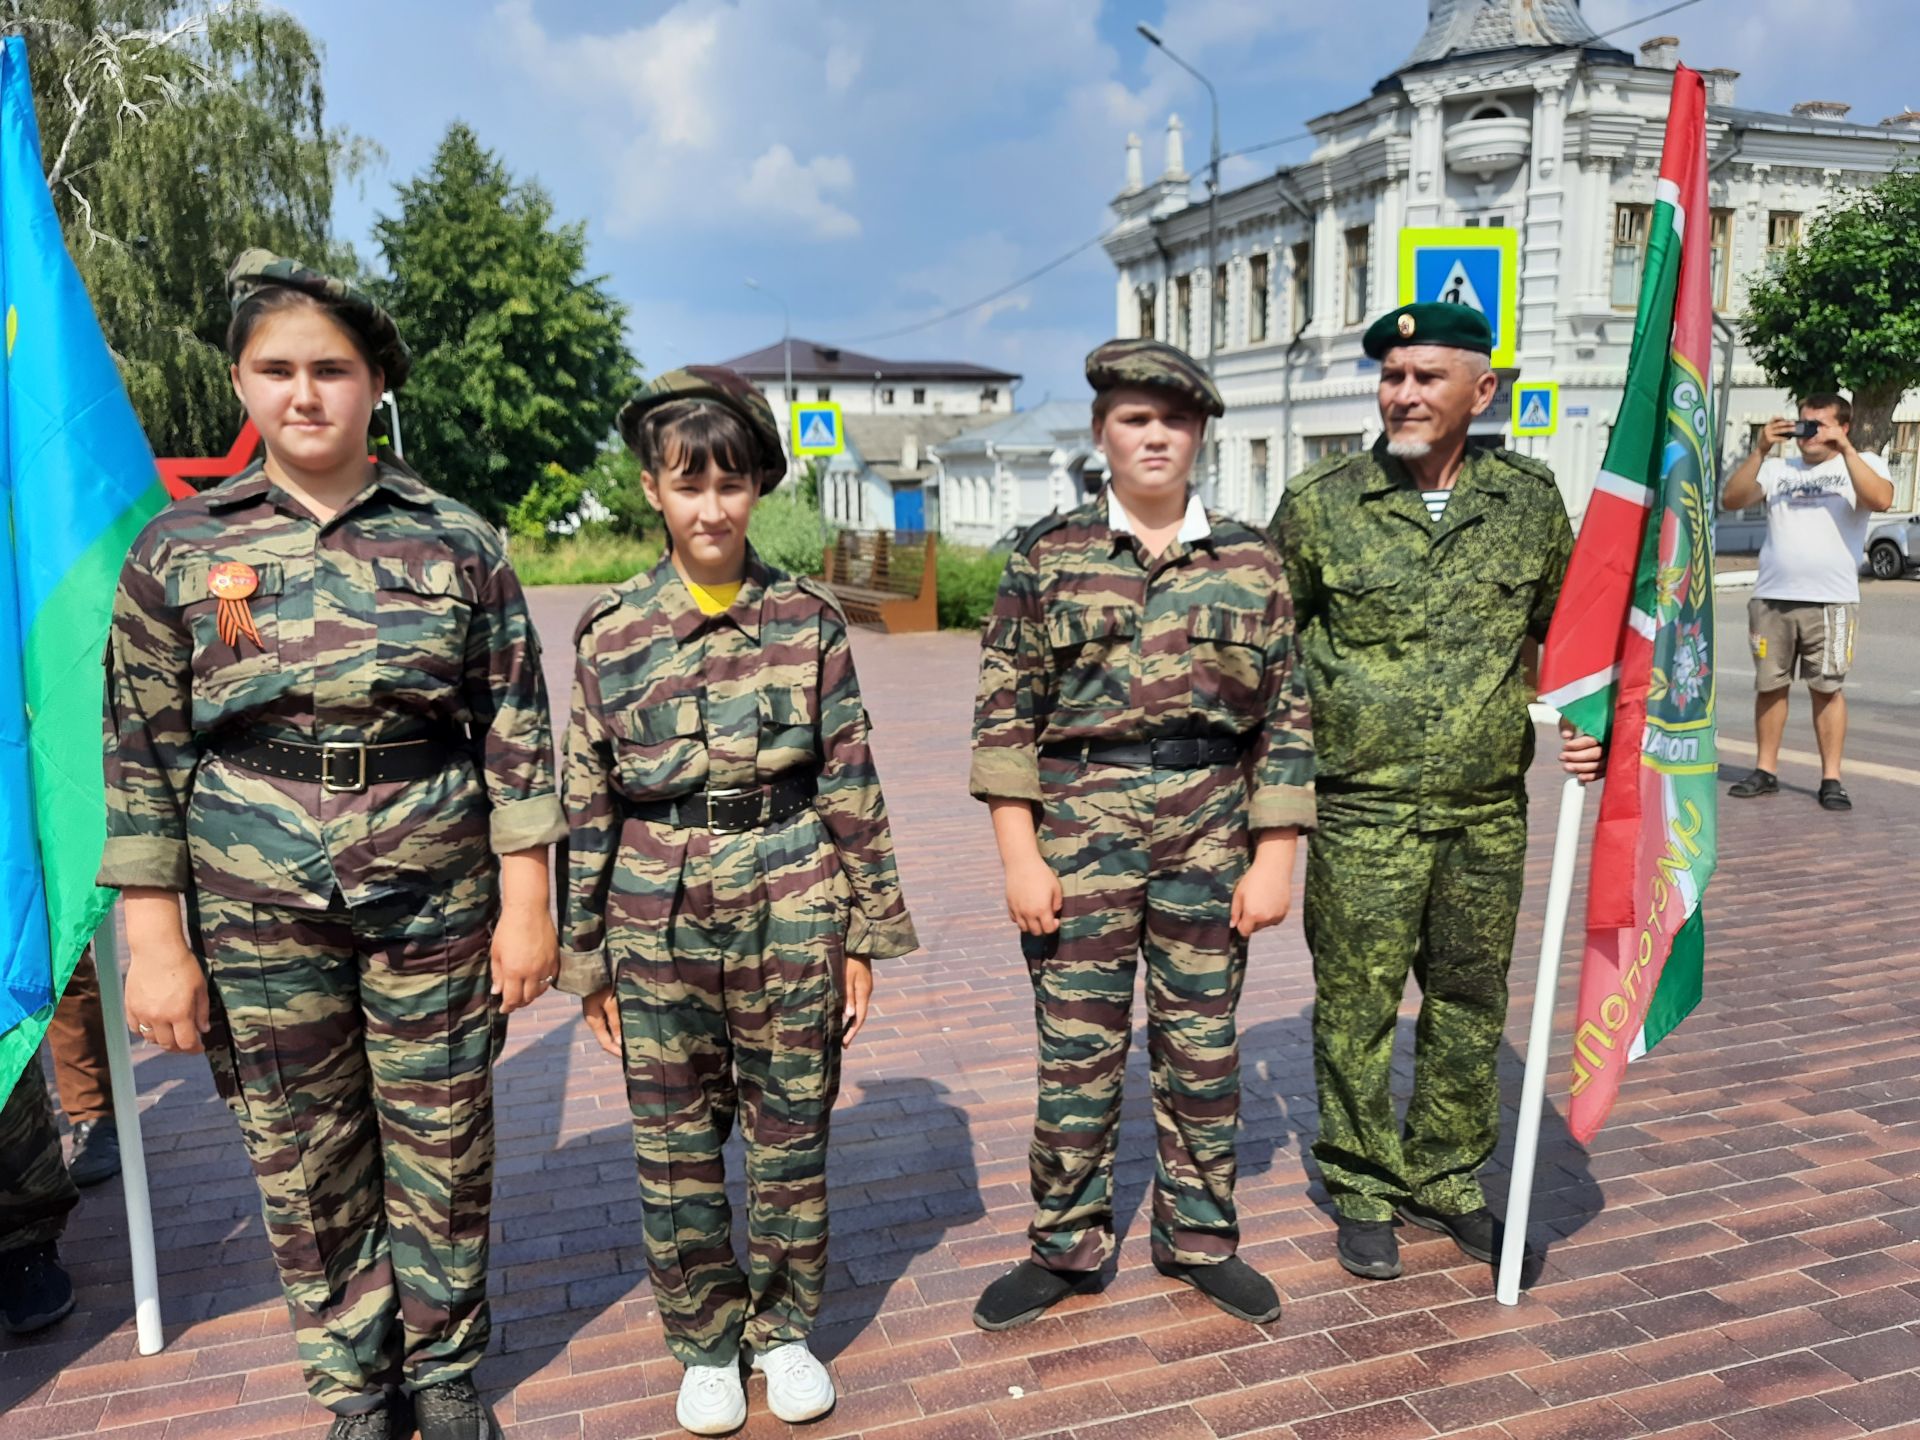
<point x="133" y="1156"/>
<point x="1533" y="1088"/>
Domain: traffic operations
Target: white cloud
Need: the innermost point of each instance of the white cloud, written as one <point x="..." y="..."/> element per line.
<point x="779" y="187"/>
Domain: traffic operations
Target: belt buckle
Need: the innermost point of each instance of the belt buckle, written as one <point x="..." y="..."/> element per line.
<point x="332" y="749"/>
<point x="725" y="819"/>
<point x="1175" y="752"/>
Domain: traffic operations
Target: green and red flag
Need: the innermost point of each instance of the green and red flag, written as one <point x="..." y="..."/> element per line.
<point x="1629" y="658"/>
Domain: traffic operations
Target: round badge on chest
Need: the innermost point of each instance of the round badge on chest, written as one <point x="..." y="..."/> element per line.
<point x="232" y="580"/>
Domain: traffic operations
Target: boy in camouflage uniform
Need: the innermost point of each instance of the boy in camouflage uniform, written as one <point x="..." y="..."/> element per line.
<point x="1141" y="735"/>
<point x="36" y="1194"/>
<point x="326" y="725"/>
<point x="731" y="881"/>
<point x="1422" y="571"/>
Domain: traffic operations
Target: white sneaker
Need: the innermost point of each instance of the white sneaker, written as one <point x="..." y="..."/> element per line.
<point x="712" y="1400"/>
<point x="798" y="1386"/>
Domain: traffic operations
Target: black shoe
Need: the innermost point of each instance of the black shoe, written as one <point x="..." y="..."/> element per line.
<point x="96" y="1152"/>
<point x="368" y="1425"/>
<point x="35" y="1289"/>
<point x="1833" y="796"/>
<point x="1232" y="1284"/>
<point x="1477" y="1233"/>
<point x="1368" y="1248"/>
<point x="1026" y="1292"/>
<point x="454" y="1410"/>
<point x="1758" y="782"/>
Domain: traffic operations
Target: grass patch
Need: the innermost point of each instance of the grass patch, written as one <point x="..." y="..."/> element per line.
<point x="582" y="559"/>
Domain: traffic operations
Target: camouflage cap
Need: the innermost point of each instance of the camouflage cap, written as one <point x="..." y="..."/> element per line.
<point x="255" y="270"/>
<point x="1157" y="365"/>
<point x="716" y="385"/>
<point x="1429" y="322"/>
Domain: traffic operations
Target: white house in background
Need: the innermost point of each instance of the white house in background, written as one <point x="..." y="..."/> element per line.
<point x="1507" y="113"/>
<point x="867" y="385"/>
<point x="1006" y="475"/>
<point x="880" y="481"/>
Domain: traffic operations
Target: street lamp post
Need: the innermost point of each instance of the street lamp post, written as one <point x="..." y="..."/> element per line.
<point x="1152" y="37"/>
<point x="787" y="396"/>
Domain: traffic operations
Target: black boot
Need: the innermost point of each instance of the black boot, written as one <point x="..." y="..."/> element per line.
<point x="35" y="1289"/>
<point x="367" y="1425"/>
<point x="454" y="1410"/>
<point x="1477" y="1233"/>
<point x="1232" y="1284"/>
<point x="96" y="1152"/>
<point x="1026" y="1292"/>
<point x="1368" y="1248"/>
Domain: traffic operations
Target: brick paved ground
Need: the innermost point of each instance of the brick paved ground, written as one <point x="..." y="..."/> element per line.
<point x="1739" y="1256"/>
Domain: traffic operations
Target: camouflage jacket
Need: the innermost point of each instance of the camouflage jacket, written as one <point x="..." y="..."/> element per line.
<point x="398" y="618"/>
<point x="667" y="701"/>
<point x="1090" y="639"/>
<point x="1411" y="633"/>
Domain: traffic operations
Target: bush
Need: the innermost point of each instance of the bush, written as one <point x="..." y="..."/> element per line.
<point x="552" y="503"/>
<point x="787" y="533"/>
<point x="594" y="557"/>
<point x="968" y="580"/>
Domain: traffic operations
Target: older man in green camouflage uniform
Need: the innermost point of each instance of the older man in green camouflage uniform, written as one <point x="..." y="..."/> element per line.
<point x="1141" y="718"/>
<point x="333" y="759"/>
<point x="35" y="1195"/>
<point x="1422" y="571"/>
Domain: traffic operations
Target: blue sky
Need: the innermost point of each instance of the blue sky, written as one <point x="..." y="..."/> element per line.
<point x="880" y="161"/>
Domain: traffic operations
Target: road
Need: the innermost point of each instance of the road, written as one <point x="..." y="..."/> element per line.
<point x="1883" y="691"/>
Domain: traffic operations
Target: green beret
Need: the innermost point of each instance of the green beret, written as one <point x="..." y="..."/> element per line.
<point x="1157" y="366"/>
<point x="1430" y="322"/>
<point x="715" y="385"/>
<point x="256" y="270"/>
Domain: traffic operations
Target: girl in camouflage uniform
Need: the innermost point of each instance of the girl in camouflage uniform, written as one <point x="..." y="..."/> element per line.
<point x="326" y="726"/>
<point x="731" y="881"/>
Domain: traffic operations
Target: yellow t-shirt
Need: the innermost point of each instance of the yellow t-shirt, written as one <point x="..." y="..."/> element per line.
<point x="714" y="599"/>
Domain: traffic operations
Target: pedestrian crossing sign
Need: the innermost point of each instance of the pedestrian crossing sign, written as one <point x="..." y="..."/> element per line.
<point x="1536" y="407"/>
<point x="816" y="428"/>
<point x="1467" y="265"/>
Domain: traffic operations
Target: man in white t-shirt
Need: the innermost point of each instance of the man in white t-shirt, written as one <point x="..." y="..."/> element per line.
<point x="1819" y="505"/>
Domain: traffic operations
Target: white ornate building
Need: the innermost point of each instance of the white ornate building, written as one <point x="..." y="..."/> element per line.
<point x="1507" y="113"/>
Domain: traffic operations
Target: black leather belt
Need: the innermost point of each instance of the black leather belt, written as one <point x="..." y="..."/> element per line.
<point x="1179" y="752"/>
<point x="342" y="767"/>
<point x="729" y="812"/>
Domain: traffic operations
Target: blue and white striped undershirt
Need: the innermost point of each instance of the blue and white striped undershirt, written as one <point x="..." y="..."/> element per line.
<point x="1436" y="502"/>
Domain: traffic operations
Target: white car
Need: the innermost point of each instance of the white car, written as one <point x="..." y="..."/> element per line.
<point x="1893" y="546"/>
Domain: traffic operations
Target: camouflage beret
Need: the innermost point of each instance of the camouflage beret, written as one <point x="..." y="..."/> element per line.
<point x="1429" y="322"/>
<point x="256" y="270"/>
<point x="716" y="385"/>
<point x="1156" y="365"/>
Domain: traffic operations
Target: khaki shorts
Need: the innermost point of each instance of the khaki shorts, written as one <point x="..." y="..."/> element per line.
<point x="1816" y="638"/>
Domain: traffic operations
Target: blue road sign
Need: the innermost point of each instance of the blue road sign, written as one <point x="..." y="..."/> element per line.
<point x="1462" y="265"/>
<point x="816" y="428"/>
<point x="1536" y="407"/>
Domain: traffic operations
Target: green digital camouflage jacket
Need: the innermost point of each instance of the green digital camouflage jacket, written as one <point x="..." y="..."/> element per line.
<point x="398" y="618"/>
<point x="668" y="701"/>
<point x="1091" y="640"/>
<point x="1412" y="634"/>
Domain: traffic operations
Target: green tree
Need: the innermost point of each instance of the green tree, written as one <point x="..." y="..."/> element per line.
<point x="520" y="357"/>
<point x="174" y="137"/>
<point x="1843" y="309"/>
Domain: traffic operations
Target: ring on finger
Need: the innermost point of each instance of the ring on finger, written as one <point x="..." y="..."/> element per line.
<point x="146" y="1029"/>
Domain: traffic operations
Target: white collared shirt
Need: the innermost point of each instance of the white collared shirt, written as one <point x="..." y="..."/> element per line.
<point x="1193" y="525"/>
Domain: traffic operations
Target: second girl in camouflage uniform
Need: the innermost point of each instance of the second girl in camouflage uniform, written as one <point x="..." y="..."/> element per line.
<point x="732" y="878"/>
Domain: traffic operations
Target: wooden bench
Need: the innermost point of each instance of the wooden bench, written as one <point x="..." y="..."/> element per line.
<point x="885" y="578"/>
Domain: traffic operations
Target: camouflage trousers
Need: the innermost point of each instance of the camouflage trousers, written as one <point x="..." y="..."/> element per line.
<point x="356" y="1049"/>
<point x="35" y="1191"/>
<point x="1383" y="898"/>
<point x="1147" y="862"/>
<point x="726" y="953"/>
